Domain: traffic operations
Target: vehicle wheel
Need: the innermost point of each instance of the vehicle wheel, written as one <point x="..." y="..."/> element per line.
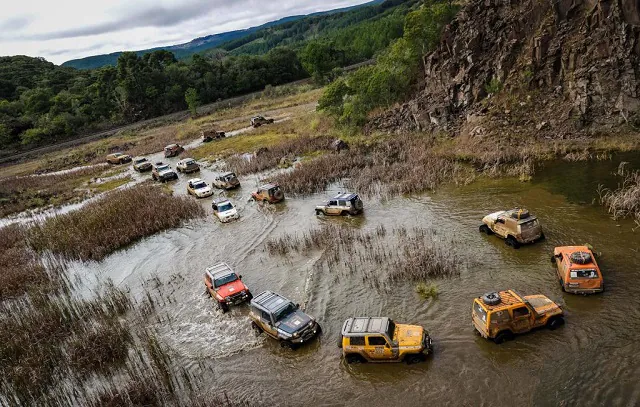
<point x="555" y="322"/>
<point x="154" y="177"/>
<point x="355" y="358"/>
<point x="340" y="343"/>
<point x="553" y="258"/>
<point x="344" y="213"/>
<point x="511" y="241"/>
<point x="542" y="237"/>
<point x="414" y="358"/>
<point x="503" y="337"/>
<point x="207" y="291"/>
<point x="223" y="307"/>
<point x="318" y="212"/>
<point x="319" y="331"/>
<point x="485" y="229"/>
<point x="256" y="329"/>
<point x="249" y="297"/>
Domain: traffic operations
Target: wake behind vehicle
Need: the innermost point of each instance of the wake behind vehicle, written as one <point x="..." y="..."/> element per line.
<point x="501" y="315"/>
<point x="199" y="188"/>
<point x="382" y="340"/>
<point x="226" y="181"/>
<point x="271" y="193"/>
<point x="577" y="270"/>
<point x="282" y="320"/>
<point x="341" y="204"/>
<point x="141" y="164"/>
<point x="258" y="121"/>
<point x="162" y="172"/>
<point x="224" y="210"/>
<point x="187" y="166"/>
<point x="225" y="286"/>
<point x="173" y="150"/>
<point x="118" y="158"/>
<point x="515" y="226"/>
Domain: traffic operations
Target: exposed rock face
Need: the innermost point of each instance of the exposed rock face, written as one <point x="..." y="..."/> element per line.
<point x="569" y="66"/>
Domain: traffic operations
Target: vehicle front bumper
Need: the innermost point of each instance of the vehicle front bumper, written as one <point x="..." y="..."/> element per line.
<point x="190" y="170"/>
<point x="237" y="299"/>
<point x="227" y="219"/>
<point x="168" y="177"/>
<point x="307" y="335"/>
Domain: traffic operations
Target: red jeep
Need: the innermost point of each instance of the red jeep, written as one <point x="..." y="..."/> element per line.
<point x="226" y="286"/>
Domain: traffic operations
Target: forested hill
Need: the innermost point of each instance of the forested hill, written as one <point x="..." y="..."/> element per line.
<point x="283" y="27"/>
<point x="41" y="103"/>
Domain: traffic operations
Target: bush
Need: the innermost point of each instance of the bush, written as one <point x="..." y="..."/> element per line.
<point x="426" y="291"/>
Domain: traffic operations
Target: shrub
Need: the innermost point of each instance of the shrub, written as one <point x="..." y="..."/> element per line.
<point x="426" y="291"/>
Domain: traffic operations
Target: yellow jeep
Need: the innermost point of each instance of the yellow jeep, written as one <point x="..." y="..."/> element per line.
<point x="499" y="316"/>
<point x="382" y="340"/>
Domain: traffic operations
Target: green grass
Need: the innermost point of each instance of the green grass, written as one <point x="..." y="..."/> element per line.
<point x="110" y="185"/>
<point x="426" y="291"/>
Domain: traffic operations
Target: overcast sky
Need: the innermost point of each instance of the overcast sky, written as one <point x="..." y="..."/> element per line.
<point x="60" y="30"/>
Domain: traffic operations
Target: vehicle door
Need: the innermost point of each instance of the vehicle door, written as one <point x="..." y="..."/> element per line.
<point x="332" y="207"/>
<point x="500" y="228"/>
<point x="521" y="319"/>
<point x="378" y="348"/>
<point x="267" y="324"/>
<point x="561" y="267"/>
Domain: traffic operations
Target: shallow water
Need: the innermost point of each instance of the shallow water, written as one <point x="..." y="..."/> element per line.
<point x="593" y="360"/>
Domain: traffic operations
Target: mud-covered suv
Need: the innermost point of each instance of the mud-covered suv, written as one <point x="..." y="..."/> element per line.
<point x="162" y="172"/>
<point x="281" y="319"/>
<point x="271" y="193"/>
<point x="501" y="315"/>
<point x="382" y="340"/>
<point x="577" y="270"/>
<point x="341" y="204"/>
<point x="258" y="121"/>
<point x="515" y="226"/>
<point x="225" y="286"/>
<point x="227" y="181"/>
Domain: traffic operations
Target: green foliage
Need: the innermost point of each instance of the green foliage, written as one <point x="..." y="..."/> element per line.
<point x="426" y="291"/>
<point x="191" y="96"/>
<point x="321" y="58"/>
<point x="395" y="71"/>
<point x="494" y="86"/>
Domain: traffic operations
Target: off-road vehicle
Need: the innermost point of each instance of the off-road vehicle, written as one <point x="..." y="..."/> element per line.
<point x="271" y="193"/>
<point x="281" y="319"/>
<point x="173" y="150"/>
<point x="499" y="316"/>
<point x="226" y="181"/>
<point x="258" y="121"/>
<point x="162" y="172"/>
<point x="141" y="164"/>
<point x="341" y="204"/>
<point x="382" y="340"/>
<point x="211" y="135"/>
<point x="224" y="210"/>
<point x="577" y="270"/>
<point x="225" y="286"/>
<point x="188" y="165"/>
<point x="515" y="226"/>
<point x="199" y="188"/>
<point x="118" y="158"/>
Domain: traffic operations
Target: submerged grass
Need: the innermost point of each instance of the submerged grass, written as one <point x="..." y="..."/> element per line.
<point x="624" y="201"/>
<point x="426" y="291"/>
<point x="115" y="221"/>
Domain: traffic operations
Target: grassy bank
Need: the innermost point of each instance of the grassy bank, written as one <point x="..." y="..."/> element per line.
<point x="624" y="201"/>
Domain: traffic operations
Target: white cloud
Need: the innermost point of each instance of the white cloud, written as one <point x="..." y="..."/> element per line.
<point x="68" y="29"/>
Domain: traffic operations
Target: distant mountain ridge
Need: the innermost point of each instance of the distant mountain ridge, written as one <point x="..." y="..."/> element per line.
<point x="185" y="50"/>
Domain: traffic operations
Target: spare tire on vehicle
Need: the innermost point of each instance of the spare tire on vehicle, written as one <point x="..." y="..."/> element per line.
<point x="491" y="299"/>
<point x="520" y="214"/>
<point x="580" y="258"/>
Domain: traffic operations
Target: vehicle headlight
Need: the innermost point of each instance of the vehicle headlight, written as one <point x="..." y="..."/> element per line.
<point x="295" y="335"/>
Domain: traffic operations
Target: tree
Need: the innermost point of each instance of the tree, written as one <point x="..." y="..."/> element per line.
<point x="191" y="97"/>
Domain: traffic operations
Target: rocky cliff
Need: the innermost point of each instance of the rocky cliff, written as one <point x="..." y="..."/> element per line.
<point x="529" y="69"/>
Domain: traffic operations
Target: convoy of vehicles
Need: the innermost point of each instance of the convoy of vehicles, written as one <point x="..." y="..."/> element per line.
<point x="382" y="340"/>
<point x="282" y="320"/>
<point x="187" y="166"/>
<point x="516" y="226"/>
<point x="501" y="315"/>
<point x="199" y="188"/>
<point x="141" y="164"/>
<point x="225" y="286"/>
<point x="118" y="158"/>
<point x="162" y="172"/>
<point x="227" y="181"/>
<point x="271" y="193"/>
<point x="224" y="210"/>
<point x="577" y="269"/>
<point x="341" y="204"/>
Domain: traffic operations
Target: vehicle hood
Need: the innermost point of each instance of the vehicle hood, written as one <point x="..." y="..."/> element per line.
<point x="166" y="172"/>
<point x="294" y="322"/>
<point x="144" y="164"/>
<point x="230" y="212"/>
<point x="204" y="190"/>
<point x="409" y="335"/>
<point x="493" y="216"/>
<point x="543" y="305"/>
<point x="231" y="288"/>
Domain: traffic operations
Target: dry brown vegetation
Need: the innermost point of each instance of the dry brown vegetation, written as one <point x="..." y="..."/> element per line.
<point x="624" y="201"/>
<point x="407" y="255"/>
<point x="115" y="221"/>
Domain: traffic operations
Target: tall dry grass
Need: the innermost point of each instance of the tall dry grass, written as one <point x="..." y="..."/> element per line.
<point x="624" y="201"/>
<point x="113" y="222"/>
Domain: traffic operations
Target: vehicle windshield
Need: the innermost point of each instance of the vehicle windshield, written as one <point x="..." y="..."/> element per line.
<point x="225" y="207"/>
<point x="163" y="168"/>
<point x="584" y="273"/>
<point x="229" y="278"/>
<point x="391" y="329"/>
<point x="140" y="161"/>
<point x="529" y="225"/>
<point x="200" y="185"/>
<point x="286" y="310"/>
<point x="190" y="162"/>
<point x="118" y="154"/>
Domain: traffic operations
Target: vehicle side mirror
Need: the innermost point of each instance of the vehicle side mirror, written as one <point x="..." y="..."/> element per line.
<point x="240" y="276"/>
<point x="297" y="305"/>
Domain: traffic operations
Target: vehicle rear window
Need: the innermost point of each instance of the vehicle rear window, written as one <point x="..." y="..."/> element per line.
<point x="584" y="273"/>
<point x="479" y="311"/>
<point x="529" y="225"/>
<point x="356" y="341"/>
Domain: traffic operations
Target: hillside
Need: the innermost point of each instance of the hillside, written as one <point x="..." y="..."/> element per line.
<point x="198" y="45"/>
<point x="511" y="73"/>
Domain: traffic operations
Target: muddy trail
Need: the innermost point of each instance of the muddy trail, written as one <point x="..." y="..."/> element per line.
<point x="593" y="359"/>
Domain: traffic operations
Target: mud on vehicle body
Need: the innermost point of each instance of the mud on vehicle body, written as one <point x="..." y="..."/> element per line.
<point x="258" y="121"/>
<point x="187" y="165"/>
<point x="162" y="172"/>
<point x="341" y="204"/>
<point x="577" y="270"/>
<point x="227" y="181"/>
<point x="282" y="320"/>
<point x="173" y="150"/>
<point x="225" y="286"/>
<point x="501" y="315"/>
<point x="118" y="158"/>
<point x="271" y="193"/>
<point x="141" y="164"/>
<point x="211" y="135"/>
<point x="199" y="188"/>
<point x="382" y="340"/>
<point x="515" y="226"/>
<point x="224" y="210"/>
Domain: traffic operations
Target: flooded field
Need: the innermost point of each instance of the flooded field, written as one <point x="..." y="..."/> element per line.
<point x="593" y="359"/>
